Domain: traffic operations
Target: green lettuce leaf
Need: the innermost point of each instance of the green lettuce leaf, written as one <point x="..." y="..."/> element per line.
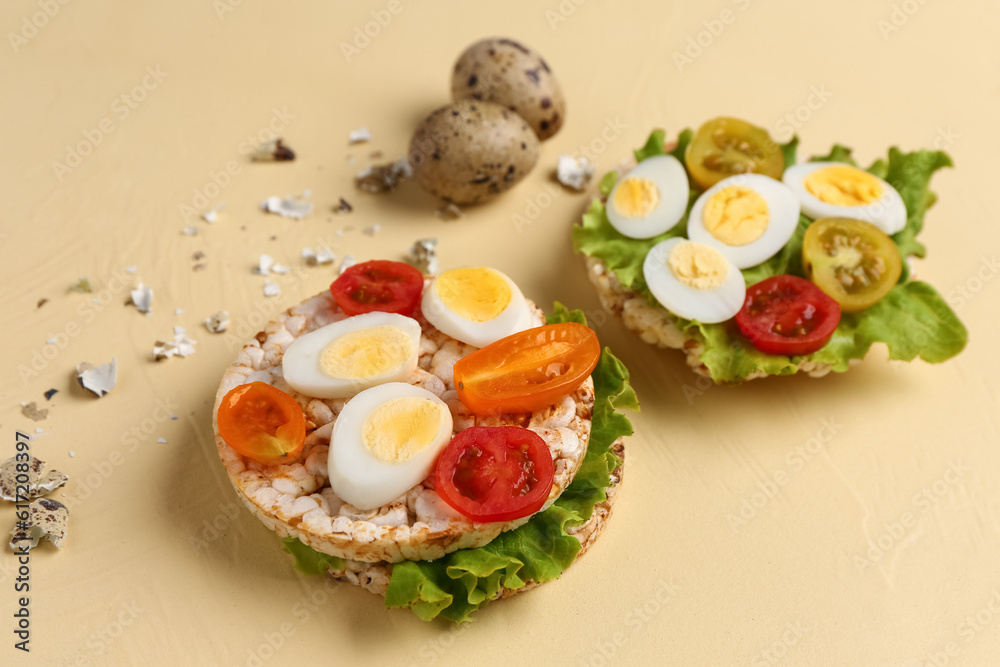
<point x="912" y="320"/>
<point x="308" y="560"/>
<point x="897" y="320"/>
<point x="654" y="146"/>
<point x="455" y="586"/>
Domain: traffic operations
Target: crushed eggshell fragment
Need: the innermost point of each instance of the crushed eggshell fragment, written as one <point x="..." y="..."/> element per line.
<point x="212" y="214"/>
<point x="288" y="207"/>
<point x="264" y="264"/>
<point x="423" y="255"/>
<point x="273" y="151"/>
<point x="190" y="231"/>
<point x="47" y="519"/>
<point x="347" y="262"/>
<point x="449" y="212"/>
<point x="318" y="256"/>
<point x="32" y="412"/>
<point x="82" y="286"/>
<point x="218" y="322"/>
<point x="98" y="379"/>
<point x="39" y="483"/>
<point x="343" y="206"/>
<point x="359" y="135"/>
<point x="574" y="173"/>
<point x="271" y="289"/>
<point x="142" y="298"/>
<point x="180" y="346"/>
<point x="384" y="178"/>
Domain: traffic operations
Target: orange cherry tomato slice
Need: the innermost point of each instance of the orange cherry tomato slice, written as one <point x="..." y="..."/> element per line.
<point x="262" y="423"/>
<point x="529" y="370"/>
<point x="495" y="473"/>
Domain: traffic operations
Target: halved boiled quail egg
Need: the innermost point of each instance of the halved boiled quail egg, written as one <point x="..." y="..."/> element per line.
<point x="385" y="441"/>
<point x="748" y="218"/>
<point x="476" y="305"/>
<point x="835" y="189"/>
<point x="694" y="281"/>
<point x="343" y="358"/>
<point x="650" y="199"/>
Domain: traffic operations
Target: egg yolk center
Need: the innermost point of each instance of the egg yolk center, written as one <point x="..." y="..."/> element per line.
<point x="843" y="185"/>
<point x="365" y="353"/>
<point x="476" y="294"/>
<point x="401" y="428"/>
<point x="698" y="266"/>
<point x="636" y="197"/>
<point x="736" y="215"/>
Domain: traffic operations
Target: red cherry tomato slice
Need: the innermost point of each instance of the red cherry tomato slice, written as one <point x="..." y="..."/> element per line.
<point x="495" y="473"/>
<point x="262" y="423"/>
<point x="529" y="370"/>
<point x="788" y="315"/>
<point x="390" y="287"/>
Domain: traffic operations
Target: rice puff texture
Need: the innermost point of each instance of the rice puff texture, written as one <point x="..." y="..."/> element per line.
<point x="295" y="499"/>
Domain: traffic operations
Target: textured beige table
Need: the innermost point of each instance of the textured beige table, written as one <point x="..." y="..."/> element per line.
<point x="853" y="520"/>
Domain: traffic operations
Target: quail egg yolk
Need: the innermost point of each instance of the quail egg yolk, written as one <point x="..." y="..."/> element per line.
<point x="636" y="197"/>
<point x="698" y="266"/>
<point x="365" y="353"/>
<point x="476" y="294"/>
<point x="736" y="215"/>
<point x="401" y="428"/>
<point x="843" y="185"/>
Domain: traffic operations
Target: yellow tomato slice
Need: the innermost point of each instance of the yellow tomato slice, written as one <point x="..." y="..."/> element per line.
<point x="725" y="147"/>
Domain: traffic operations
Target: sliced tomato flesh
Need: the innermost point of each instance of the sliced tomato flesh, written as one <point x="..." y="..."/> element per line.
<point x="262" y="423"/>
<point x="378" y="285"/>
<point x="495" y="473"/>
<point x="529" y="370"/>
<point x="787" y="315"/>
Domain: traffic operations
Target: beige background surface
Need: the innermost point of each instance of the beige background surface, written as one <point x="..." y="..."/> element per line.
<point x="738" y="538"/>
